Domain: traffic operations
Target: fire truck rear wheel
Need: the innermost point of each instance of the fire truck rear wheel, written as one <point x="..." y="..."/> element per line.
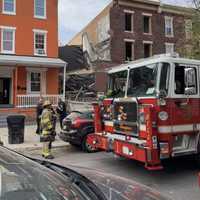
<point x="87" y="147"/>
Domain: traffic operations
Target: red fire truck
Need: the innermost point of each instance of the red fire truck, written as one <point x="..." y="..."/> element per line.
<point x="154" y="112"/>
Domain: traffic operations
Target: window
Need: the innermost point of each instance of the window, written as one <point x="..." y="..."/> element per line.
<point x="8" y="40"/>
<point x="129" y="50"/>
<point x="180" y="79"/>
<point x="147" y="49"/>
<point x="147" y="24"/>
<point x="164" y="77"/>
<point x="169" y="32"/>
<point x="40" y="39"/>
<point x="188" y="29"/>
<point x="9" y="7"/>
<point x="143" y="81"/>
<point x="169" y="48"/>
<point x="40" y="9"/>
<point x="35" y="78"/>
<point x="129" y="21"/>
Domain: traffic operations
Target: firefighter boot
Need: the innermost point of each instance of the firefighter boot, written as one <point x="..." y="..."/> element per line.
<point x="46" y="153"/>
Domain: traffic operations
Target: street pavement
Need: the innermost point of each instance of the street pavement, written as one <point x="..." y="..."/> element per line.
<point x="178" y="180"/>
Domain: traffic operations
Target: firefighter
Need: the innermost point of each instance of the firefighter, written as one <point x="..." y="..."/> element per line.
<point x="48" y="129"/>
<point x="61" y="110"/>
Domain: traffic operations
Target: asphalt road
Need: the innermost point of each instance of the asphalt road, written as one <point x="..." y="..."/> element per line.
<point x="178" y="180"/>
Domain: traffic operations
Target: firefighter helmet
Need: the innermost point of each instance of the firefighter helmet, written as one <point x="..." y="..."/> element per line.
<point x="47" y="103"/>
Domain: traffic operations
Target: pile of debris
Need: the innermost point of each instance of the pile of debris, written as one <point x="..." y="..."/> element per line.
<point x="80" y="87"/>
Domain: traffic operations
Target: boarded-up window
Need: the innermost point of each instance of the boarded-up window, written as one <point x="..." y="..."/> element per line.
<point x="188" y="29"/>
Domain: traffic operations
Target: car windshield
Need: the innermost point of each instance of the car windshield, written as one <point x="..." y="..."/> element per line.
<point x="22" y="179"/>
<point x="117" y="84"/>
<point x="142" y="81"/>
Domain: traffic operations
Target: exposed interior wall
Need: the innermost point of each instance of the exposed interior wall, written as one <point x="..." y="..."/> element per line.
<point x="92" y="28"/>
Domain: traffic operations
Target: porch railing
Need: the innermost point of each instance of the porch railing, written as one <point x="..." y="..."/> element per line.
<point x="31" y="101"/>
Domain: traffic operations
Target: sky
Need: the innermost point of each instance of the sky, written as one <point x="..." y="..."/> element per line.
<point x="74" y="15"/>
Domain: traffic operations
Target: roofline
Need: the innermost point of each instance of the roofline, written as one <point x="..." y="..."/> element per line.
<point x="151" y="60"/>
<point x="30" y="61"/>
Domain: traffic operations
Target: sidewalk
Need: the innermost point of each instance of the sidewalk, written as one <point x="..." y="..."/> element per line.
<point x="31" y="140"/>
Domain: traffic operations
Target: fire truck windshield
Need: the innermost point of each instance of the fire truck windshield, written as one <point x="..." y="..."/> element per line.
<point x="117" y="84"/>
<point x="142" y="81"/>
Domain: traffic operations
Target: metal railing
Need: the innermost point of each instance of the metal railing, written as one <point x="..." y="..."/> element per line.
<point x="31" y="101"/>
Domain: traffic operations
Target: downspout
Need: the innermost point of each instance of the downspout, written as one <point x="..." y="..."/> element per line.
<point x="64" y="81"/>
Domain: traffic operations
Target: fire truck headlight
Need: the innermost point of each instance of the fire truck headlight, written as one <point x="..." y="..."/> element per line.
<point x="142" y="118"/>
<point x="163" y="115"/>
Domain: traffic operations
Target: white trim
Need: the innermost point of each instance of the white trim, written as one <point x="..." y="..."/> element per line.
<point x="45" y="11"/>
<point x="147" y="42"/>
<point x="129" y="11"/>
<point x="13" y="29"/>
<point x="8" y="12"/>
<point x="147" y="14"/>
<point x="178" y="128"/>
<point x="40" y="31"/>
<point x="123" y="138"/>
<point x="129" y="40"/>
<point x="172" y="26"/>
<point x="8" y="27"/>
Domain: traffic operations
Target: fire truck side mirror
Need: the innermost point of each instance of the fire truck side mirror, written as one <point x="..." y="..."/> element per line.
<point x="190" y="81"/>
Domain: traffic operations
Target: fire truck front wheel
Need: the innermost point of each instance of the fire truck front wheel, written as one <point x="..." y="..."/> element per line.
<point x="87" y="147"/>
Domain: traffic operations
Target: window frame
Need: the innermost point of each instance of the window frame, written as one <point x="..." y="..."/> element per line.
<point x="151" y="47"/>
<point x="13" y="29"/>
<point x="43" y="83"/>
<point x="172" y="26"/>
<point x="133" y="49"/>
<point x="150" y="23"/>
<point x="45" y="11"/>
<point x="9" y="12"/>
<point x="132" y="20"/>
<point x="42" y="32"/>
<point x="173" y="81"/>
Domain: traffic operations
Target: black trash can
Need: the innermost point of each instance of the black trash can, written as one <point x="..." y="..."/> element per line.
<point x="16" y="129"/>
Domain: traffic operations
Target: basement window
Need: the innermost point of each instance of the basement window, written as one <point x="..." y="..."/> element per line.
<point x="129" y="49"/>
<point x="128" y="22"/>
<point x="147" y="50"/>
<point x="147" y="24"/>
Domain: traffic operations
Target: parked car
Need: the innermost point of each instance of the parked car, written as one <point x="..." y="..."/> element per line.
<point x="76" y="127"/>
<point x="24" y="178"/>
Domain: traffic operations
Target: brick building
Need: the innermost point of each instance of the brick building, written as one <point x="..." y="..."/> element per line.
<point x="29" y="64"/>
<point x="132" y="29"/>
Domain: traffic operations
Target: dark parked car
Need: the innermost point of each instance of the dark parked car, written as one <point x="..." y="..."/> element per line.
<point x="76" y="127"/>
<point x="24" y="178"/>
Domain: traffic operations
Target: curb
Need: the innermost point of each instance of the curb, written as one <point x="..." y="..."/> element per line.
<point x="35" y="146"/>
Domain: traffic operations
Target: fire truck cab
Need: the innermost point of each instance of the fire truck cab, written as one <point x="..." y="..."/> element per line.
<point x="154" y="112"/>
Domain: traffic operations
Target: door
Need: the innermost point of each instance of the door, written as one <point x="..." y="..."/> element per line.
<point x="185" y="108"/>
<point x="5" y="84"/>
